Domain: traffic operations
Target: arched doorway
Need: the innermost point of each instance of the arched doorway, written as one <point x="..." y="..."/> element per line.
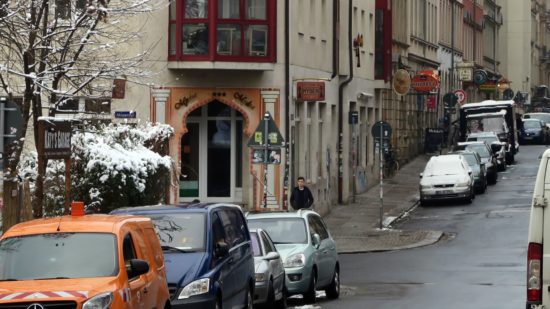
<point x="212" y="155"/>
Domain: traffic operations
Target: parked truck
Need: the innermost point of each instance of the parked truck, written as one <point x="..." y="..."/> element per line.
<point x="492" y="116"/>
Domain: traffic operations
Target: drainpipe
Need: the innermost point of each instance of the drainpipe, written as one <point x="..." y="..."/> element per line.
<point x="341" y="107"/>
<point x="286" y="183"/>
<point x="335" y="28"/>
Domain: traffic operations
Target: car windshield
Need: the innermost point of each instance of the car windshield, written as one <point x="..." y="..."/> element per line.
<point x="256" y="249"/>
<point x="282" y="230"/>
<point x="181" y="231"/>
<point x="480" y="149"/>
<point x="443" y="168"/>
<point x="491" y="124"/>
<point x="58" y="256"/>
<point x="531" y="124"/>
<point x="543" y="117"/>
<point x="471" y="159"/>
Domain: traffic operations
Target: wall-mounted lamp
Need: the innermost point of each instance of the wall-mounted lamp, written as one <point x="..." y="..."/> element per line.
<point x="364" y="95"/>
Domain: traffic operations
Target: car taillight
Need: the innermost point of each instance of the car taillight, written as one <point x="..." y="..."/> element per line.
<point x="534" y="272"/>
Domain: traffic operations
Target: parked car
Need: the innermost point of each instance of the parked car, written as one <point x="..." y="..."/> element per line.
<point x="208" y="252"/>
<point x="478" y="168"/>
<point x="447" y="177"/>
<point x="538" y="252"/>
<point x="82" y="261"/>
<point x="533" y="130"/>
<point x="308" y="251"/>
<point x="270" y="272"/>
<point x="491" y="138"/>
<point x="541" y="116"/>
<point x="487" y="155"/>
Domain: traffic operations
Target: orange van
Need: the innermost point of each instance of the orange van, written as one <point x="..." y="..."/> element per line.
<point x="83" y="261"/>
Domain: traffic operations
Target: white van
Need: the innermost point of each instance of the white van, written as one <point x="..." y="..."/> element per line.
<point x="538" y="255"/>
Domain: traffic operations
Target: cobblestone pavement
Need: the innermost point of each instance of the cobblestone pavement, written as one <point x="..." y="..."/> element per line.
<point x="355" y="227"/>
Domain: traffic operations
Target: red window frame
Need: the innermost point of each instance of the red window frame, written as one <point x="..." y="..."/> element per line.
<point x="212" y="21"/>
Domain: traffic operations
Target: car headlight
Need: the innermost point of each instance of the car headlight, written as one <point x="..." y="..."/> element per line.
<point x="196" y="287"/>
<point x="295" y="260"/>
<point x="261" y="277"/>
<point x="425" y="187"/>
<point x="462" y="184"/>
<point x="100" y="301"/>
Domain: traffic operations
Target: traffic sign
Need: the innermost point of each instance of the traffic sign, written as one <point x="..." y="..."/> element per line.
<point x="461" y="96"/>
<point x="273" y="139"/>
<point x="381" y="128"/>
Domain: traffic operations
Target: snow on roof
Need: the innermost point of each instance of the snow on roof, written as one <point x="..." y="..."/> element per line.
<point x="488" y="103"/>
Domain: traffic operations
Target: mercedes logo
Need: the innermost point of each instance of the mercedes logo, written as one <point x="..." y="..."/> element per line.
<point x="35" y="306"/>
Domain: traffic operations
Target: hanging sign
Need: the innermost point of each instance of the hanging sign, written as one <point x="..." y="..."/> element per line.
<point x="480" y="77"/>
<point x="425" y="81"/>
<point x="401" y="82"/>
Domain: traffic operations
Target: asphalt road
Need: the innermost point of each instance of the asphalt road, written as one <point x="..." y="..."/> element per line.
<point x="480" y="262"/>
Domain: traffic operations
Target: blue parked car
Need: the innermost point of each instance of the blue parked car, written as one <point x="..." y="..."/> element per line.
<point x="207" y="251"/>
<point x="533" y="131"/>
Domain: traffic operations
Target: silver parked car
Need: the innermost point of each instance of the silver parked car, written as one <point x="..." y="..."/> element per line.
<point x="447" y="177"/>
<point x="270" y="273"/>
<point x="492" y="138"/>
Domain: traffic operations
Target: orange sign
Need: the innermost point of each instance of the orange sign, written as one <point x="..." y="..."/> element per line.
<point x="425" y="81"/>
<point x="310" y="91"/>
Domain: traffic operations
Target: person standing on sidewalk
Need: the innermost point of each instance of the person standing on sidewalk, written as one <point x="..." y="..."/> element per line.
<point x="301" y="196"/>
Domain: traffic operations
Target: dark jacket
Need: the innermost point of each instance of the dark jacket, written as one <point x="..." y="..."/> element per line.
<point x="301" y="198"/>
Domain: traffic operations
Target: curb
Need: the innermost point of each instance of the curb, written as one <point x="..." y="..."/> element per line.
<point x="403" y="214"/>
<point x="432" y="238"/>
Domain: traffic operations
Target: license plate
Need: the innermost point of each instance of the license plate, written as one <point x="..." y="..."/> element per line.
<point x="445" y="192"/>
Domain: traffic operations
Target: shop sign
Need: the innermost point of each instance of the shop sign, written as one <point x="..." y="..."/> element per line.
<point x="431" y="103"/>
<point x="125" y="114"/>
<point x="55" y="138"/>
<point x="310" y="91"/>
<point x="465" y="74"/>
<point x="425" y="81"/>
<point x="401" y="82"/>
<point x="488" y="87"/>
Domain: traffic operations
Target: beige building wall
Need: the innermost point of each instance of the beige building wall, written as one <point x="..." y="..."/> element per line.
<point x="515" y="43"/>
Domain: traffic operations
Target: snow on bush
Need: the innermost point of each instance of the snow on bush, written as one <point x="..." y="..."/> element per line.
<point x="112" y="166"/>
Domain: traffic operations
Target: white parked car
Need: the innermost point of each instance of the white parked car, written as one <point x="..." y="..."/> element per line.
<point x="447" y="177"/>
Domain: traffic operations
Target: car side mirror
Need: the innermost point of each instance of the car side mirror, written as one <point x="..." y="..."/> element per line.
<point x="138" y="267"/>
<point x="316" y="240"/>
<point x="272" y="256"/>
<point x="222" y="249"/>
<point x="469" y="172"/>
<point x="421" y="174"/>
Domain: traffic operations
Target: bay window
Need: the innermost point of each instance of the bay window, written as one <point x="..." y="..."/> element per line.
<point x="222" y="30"/>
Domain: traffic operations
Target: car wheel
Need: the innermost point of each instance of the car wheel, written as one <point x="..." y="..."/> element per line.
<point x="333" y="290"/>
<point x="218" y="303"/>
<point x="249" y="302"/>
<point x="281" y="303"/>
<point x="310" y="297"/>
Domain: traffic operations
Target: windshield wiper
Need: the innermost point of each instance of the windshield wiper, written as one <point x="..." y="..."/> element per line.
<point x="9" y="279"/>
<point x="52" y="278"/>
<point x="170" y="248"/>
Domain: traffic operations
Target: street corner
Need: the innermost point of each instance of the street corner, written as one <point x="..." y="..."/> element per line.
<point x="386" y="240"/>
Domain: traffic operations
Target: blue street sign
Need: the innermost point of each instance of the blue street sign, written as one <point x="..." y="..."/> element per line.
<point x="125" y="114"/>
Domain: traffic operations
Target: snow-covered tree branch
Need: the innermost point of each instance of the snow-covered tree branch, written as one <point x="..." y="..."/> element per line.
<point x="53" y="50"/>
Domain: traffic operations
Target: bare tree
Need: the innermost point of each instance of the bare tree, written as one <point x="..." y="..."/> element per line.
<point x="52" y="50"/>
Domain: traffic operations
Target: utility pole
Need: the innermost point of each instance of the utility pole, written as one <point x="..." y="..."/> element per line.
<point x="452" y="73"/>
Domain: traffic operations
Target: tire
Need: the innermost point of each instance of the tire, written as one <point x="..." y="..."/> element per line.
<point x="333" y="290"/>
<point x="281" y="303"/>
<point x="310" y="297"/>
<point x="423" y="203"/>
<point x="249" y="301"/>
<point x="218" y="303"/>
